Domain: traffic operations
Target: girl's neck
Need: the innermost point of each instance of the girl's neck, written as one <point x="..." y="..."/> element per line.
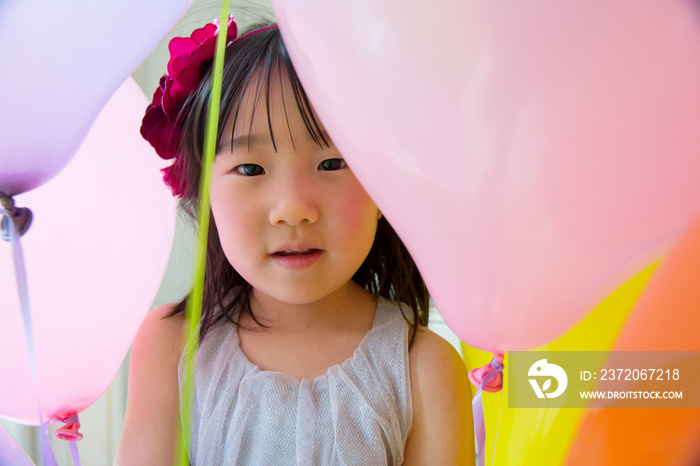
<point x="346" y="304"/>
<point x="303" y="341"/>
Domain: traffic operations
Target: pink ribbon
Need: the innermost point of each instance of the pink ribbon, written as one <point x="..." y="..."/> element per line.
<point x="488" y="378"/>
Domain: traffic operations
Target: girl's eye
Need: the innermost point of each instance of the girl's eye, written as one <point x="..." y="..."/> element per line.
<point x="332" y="164"/>
<point x="250" y="169"/>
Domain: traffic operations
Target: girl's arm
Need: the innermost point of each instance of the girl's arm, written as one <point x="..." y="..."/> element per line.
<point x="442" y="431"/>
<point x="152" y="409"/>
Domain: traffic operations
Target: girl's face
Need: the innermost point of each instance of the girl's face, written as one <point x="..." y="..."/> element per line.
<point x="294" y="222"/>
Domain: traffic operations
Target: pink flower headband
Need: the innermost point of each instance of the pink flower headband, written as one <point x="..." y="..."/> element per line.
<point x="159" y="125"/>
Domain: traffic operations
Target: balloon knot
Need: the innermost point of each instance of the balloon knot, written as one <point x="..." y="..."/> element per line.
<point x="489" y="377"/>
<point x="6" y="202"/>
<point x="21" y="217"/>
<point x="69" y="431"/>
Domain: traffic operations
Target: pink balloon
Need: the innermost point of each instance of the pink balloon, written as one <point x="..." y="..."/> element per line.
<point x="95" y="255"/>
<point x="531" y="155"/>
<point x="61" y="61"/>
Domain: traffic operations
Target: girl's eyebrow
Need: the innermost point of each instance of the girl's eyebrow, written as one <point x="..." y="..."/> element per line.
<point x="325" y="136"/>
<point x="245" y="141"/>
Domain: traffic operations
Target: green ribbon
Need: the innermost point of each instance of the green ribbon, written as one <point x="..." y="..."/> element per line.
<point x="194" y="303"/>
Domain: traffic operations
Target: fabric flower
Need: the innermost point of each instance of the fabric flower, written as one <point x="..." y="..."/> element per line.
<point x="159" y="125"/>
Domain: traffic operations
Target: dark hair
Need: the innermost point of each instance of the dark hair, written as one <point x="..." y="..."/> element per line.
<point x="250" y="66"/>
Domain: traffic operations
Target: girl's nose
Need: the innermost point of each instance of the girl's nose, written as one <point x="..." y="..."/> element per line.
<point x="295" y="203"/>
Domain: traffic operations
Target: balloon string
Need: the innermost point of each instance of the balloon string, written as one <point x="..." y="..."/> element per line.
<point x="488" y="372"/>
<point x="74" y="453"/>
<point x="194" y="302"/>
<point x="495" y="437"/>
<point x="23" y="291"/>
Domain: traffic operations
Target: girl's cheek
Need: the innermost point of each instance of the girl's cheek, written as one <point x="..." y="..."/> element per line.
<point x="356" y="205"/>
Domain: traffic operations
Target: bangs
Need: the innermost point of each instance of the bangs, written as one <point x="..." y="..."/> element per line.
<point x="251" y="68"/>
<point x="260" y="63"/>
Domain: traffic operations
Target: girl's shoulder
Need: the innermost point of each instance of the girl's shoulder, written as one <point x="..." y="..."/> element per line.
<point x="431" y="356"/>
<point x="441" y="399"/>
<point x="161" y="325"/>
<point x="152" y="416"/>
<point x="160" y="339"/>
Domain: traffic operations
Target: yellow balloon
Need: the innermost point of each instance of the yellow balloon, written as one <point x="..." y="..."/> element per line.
<point x="542" y="436"/>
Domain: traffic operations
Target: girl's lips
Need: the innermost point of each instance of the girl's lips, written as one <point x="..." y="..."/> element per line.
<point x="297" y="259"/>
<point x="295" y="253"/>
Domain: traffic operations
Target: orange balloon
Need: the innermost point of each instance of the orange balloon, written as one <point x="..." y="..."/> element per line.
<point x="666" y="318"/>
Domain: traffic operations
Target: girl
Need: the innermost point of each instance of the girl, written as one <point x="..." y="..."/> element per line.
<point x="306" y="354"/>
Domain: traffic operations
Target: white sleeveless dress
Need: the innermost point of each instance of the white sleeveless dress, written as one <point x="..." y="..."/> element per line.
<point x="357" y="413"/>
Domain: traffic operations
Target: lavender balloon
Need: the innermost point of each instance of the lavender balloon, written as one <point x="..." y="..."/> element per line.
<point x="10" y="452"/>
<point x="61" y="62"/>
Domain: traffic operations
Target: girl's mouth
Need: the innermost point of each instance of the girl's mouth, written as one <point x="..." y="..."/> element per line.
<point x="295" y="253"/>
<point x="297" y="259"/>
